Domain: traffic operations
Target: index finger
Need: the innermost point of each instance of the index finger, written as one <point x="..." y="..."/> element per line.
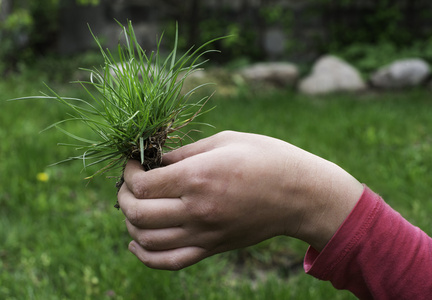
<point x="162" y="182"/>
<point x="198" y="147"/>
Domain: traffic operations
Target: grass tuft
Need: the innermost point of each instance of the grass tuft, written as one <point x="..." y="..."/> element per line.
<point x="134" y="102"/>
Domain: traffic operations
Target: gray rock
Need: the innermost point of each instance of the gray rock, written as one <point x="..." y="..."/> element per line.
<point x="279" y="74"/>
<point x="331" y="74"/>
<point x="401" y="73"/>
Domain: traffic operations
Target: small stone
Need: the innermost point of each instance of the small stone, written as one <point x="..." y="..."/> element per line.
<point x="278" y="74"/>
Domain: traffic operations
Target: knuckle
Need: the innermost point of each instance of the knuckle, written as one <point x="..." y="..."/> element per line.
<point x="133" y="215"/>
<point x="206" y="210"/>
<point x="198" y="178"/>
<point x="138" y="186"/>
<point x="198" y="182"/>
<point x="146" y="242"/>
<point x="225" y="134"/>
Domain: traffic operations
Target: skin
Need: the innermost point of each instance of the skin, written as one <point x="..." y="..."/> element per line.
<point x="229" y="191"/>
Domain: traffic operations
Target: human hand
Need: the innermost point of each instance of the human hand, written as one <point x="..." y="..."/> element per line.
<point x="230" y="191"/>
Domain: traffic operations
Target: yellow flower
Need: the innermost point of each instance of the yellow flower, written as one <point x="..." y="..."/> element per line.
<point x="43" y="177"/>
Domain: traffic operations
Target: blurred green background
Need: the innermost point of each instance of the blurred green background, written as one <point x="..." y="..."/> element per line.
<point x="61" y="238"/>
<point x="368" y="34"/>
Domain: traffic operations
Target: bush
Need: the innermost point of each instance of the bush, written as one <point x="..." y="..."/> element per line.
<point x="14" y="35"/>
<point x="30" y="31"/>
<point x="367" y="58"/>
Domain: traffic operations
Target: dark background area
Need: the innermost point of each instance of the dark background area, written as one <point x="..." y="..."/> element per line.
<point x="298" y="31"/>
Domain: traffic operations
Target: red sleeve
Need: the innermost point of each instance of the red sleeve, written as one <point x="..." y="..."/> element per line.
<point x="376" y="254"/>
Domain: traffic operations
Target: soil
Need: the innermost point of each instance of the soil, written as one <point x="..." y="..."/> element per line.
<point x="152" y="156"/>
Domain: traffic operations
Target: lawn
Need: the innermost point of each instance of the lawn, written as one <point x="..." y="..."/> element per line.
<point x="61" y="238"/>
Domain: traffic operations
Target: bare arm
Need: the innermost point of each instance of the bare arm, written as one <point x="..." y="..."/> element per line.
<point x="229" y="191"/>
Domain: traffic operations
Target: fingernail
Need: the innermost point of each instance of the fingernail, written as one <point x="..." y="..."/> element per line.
<point x="132" y="246"/>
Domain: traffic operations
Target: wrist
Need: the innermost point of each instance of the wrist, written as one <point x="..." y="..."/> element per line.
<point x="329" y="196"/>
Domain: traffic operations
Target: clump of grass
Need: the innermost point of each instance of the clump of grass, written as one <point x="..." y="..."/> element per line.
<point x="135" y="103"/>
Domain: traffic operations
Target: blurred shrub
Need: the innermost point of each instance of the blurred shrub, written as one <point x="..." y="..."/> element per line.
<point x="388" y="24"/>
<point x="357" y="28"/>
<point x="369" y="57"/>
<point x="246" y="26"/>
<point x="60" y="69"/>
<point x="367" y="33"/>
<point x="371" y="34"/>
<point x="14" y="35"/>
<point x="351" y="21"/>
<point x="29" y="31"/>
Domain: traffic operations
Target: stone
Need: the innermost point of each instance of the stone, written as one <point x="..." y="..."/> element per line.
<point x="332" y="74"/>
<point x="401" y="73"/>
<point x="277" y="74"/>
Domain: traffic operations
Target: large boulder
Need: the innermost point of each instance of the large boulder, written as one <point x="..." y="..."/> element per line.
<point x="277" y="74"/>
<point x="332" y="74"/>
<point x="401" y="73"/>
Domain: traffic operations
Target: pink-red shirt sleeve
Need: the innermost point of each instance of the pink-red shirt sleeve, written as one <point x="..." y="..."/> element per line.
<point x="376" y="254"/>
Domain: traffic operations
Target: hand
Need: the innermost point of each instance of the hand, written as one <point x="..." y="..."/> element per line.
<point x="230" y="191"/>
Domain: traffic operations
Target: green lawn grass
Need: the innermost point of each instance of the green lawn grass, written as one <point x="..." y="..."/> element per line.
<point x="62" y="238"/>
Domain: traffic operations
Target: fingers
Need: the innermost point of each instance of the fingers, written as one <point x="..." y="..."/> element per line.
<point x="159" y="239"/>
<point x="174" y="259"/>
<point x="169" y="238"/>
<point x="203" y="145"/>
<point x="186" y="151"/>
<point x="156" y="183"/>
<point x="169" y="180"/>
<point x="151" y="213"/>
